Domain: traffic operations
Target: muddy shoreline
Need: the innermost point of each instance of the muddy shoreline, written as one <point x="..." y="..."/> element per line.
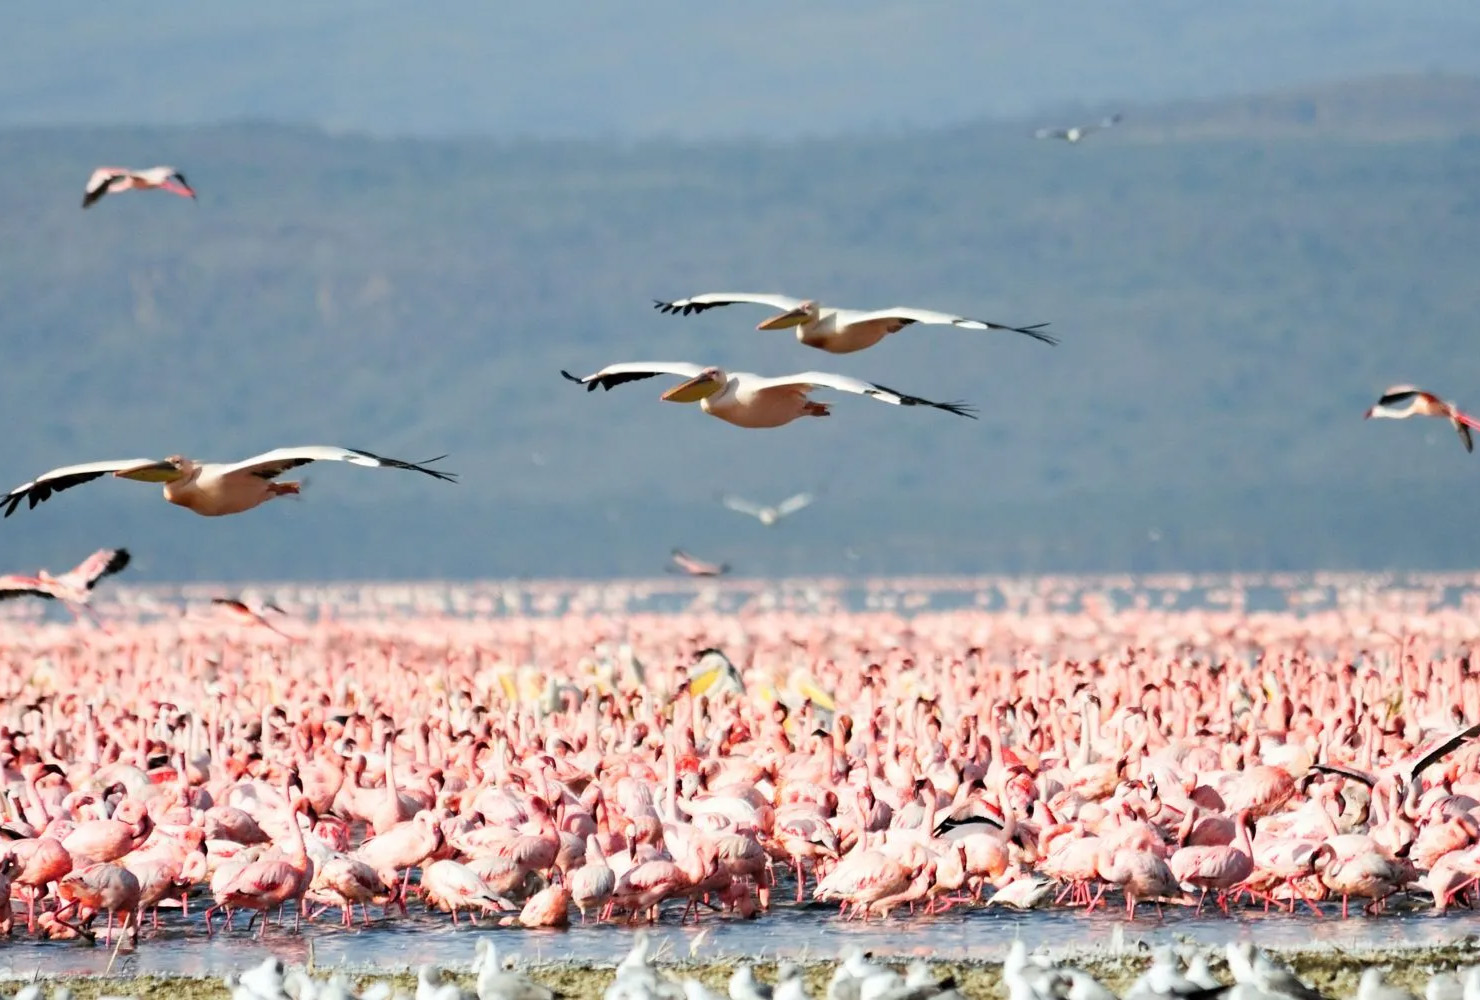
<point x="1331" y="969"/>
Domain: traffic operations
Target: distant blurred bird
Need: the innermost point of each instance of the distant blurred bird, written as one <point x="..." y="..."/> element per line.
<point x="74" y="587"/>
<point x="243" y="613"/>
<point x="685" y="563"/>
<point x="111" y="180"/>
<point x="769" y="515"/>
<point x="1076" y="132"/>
<point x="1403" y="401"/>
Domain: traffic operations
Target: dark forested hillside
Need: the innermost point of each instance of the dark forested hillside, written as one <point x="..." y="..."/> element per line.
<point x="1230" y="299"/>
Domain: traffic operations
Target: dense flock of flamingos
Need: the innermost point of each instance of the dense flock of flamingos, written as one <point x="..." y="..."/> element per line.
<point x="632" y="768"/>
<point x="582" y="766"/>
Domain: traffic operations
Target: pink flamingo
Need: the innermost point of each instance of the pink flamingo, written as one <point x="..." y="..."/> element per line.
<point x="1220" y="868"/>
<point x="73" y="588"/>
<point x="261" y="885"/>
<point x="110" y="180"/>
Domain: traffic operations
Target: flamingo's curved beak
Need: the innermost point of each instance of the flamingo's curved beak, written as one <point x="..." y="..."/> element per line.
<point x="795" y="317"/>
<point x="695" y="389"/>
<point x="1368" y="414"/>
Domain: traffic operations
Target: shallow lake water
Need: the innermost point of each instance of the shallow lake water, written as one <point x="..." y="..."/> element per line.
<point x="181" y="947"/>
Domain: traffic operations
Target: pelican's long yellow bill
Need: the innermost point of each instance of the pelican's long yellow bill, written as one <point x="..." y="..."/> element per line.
<point x="693" y="390"/>
<point x="795" y="317"/>
<point x="818" y="697"/>
<point x="702" y="682"/>
<point x="156" y="472"/>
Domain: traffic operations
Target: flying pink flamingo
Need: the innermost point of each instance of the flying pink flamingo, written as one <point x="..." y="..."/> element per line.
<point x="685" y="563"/>
<point x="74" y="587"/>
<point x="111" y="180"/>
<point x="1402" y="401"/>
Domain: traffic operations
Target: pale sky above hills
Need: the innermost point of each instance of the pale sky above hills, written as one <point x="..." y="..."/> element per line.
<point x="576" y="68"/>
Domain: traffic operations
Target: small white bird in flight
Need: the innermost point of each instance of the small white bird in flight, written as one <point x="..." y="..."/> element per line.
<point x="1403" y="401"/>
<point x="1077" y="132"/>
<point x="112" y="180"/>
<point x="685" y="563"/>
<point x="748" y="400"/>
<point x="837" y="331"/>
<point x="74" y="587"/>
<point x="768" y="515"/>
<point x="211" y="489"/>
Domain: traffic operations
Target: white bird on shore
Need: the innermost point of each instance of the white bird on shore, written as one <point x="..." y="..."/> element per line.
<point x="112" y="180"/>
<point x="748" y="400"/>
<point x="497" y="983"/>
<point x="1250" y="966"/>
<point x="838" y="331"/>
<point x="211" y="489"/>
<point x="766" y="514"/>
<point x="744" y="985"/>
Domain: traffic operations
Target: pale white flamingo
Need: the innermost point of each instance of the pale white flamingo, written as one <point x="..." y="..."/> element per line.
<point x="1075" y="133"/>
<point x="748" y="400"/>
<point x="211" y="489"/>
<point x="1403" y="401"/>
<point x="453" y="886"/>
<point x="838" y="331"/>
<point x="74" y="587"/>
<point x="112" y="180"/>
<point x="767" y="514"/>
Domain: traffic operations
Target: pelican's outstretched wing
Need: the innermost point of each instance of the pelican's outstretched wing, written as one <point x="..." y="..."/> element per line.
<point x="842" y="383"/>
<point x="146" y="470"/>
<point x="793" y="504"/>
<point x="98" y="184"/>
<point x="743" y="506"/>
<point x="104" y="562"/>
<point x="907" y="315"/>
<point x="712" y="300"/>
<point x="633" y="371"/>
<point x="271" y="464"/>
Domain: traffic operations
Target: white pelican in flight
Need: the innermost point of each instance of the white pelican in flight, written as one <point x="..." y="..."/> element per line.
<point x="1077" y="132"/>
<point x="210" y="488"/>
<point x="111" y="180"/>
<point x="768" y="515"/>
<point x="1403" y="401"/>
<point x="747" y="400"/>
<point x="837" y="331"/>
<point x="74" y="587"/>
<point x="685" y="563"/>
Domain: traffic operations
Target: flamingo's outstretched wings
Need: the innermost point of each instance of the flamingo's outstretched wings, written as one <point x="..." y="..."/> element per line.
<point x="15" y="585"/>
<point x="909" y="314"/>
<point x="713" y="300"/>
<point x="104" y="562"/>
<point x="271" y="464"/>
<point x="99" y="183"/>
<point x="633" y="371"/>
<point x="40" y="489"/>
<point x="842" y="383"/>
